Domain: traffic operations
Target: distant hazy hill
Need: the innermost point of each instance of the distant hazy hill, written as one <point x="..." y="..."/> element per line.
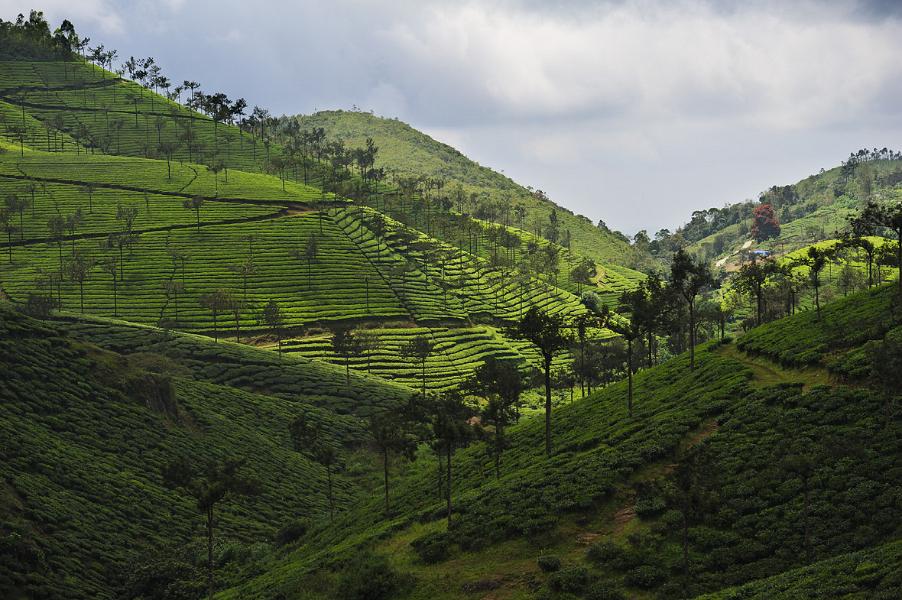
<point x="409" y="151"/>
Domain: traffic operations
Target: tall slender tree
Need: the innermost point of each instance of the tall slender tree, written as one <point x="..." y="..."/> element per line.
<point x="689" y="278"/>
<point x="210" y="485"/>
<point x="499" y="383"/>
<point x="548" y="334"/>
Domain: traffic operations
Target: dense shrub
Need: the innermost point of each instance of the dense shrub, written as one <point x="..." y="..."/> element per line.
<point x="432" y="547"/>
<point x="291" y="532"/>
<point x="549" y="563"/>
<point x="369" y="577"/>
<point x="604" y="591"/>
<point x="650" y="504"/>
<point x="606" y="553"/>
<point x="645" y="576"/>
<point x="571" y="579"/>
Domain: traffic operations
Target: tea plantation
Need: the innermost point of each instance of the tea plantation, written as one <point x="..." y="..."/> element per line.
<point x="327" y="357"/>
<point x="86" y="432"/>
<point x="756" y="479"/>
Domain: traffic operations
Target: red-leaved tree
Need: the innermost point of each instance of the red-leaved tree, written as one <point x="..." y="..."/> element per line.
<point x="765" y="224"/>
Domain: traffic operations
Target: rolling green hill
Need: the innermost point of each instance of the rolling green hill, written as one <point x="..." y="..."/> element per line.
<point x="406" y="151"/>
<point x="158" y="207"/>
<point x="139" y="237"/>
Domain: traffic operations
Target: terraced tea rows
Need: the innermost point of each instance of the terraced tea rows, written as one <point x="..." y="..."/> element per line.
<point x="457" y="353"/>
<point x="457" y="278"/>
<point x="338" y="283"/>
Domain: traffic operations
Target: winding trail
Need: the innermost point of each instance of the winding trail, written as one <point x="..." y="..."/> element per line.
<point x="766" y="372"/>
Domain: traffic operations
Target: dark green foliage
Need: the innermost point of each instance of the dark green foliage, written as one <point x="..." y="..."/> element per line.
<point x="168" y="573"/>
<point x="800" y="477"/>
<point x="645" y="577"/>
<point x="432" y="547"/>
<point x="604" y="591"/>
<point x="549" y="563"/>
<point x="874" y="574"/>
<point x="30" y="38"/>
<point x="571" y="579"/>
<point x="607" y="554"/>
<point x="291" y="532"/>
<point x="369" y="577"/>
<point x="80" y="463"/>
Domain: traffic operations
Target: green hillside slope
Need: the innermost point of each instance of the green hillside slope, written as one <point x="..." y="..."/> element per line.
<point x="874" y="574"/>
<point x="85" y="434"/>
<point x="124" y="203"/>
<point x="405" y="150"/>
<point x="756" y="468"/>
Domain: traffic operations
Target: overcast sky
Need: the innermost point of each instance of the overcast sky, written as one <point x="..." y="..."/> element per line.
<point x="633" y="112"/>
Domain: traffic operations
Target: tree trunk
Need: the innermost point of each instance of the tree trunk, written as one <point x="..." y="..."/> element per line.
<point x="331" y="499"/>
<point x="210" y="552"/>
<point x="448" y="479"/>
<point x="685" y="545"/>
<point x="385" y="473"/>
<point x="441" y="474"/>
<point x="758" y="305"/>
<point x="548" y="405"/>
<point x="692" y="334"/>
<point x="499" y="448"/>
<point x="423" y="367"/>
<point x="817" y="300"/>
<point x="629" y="370"/>
<point x="899" y="257"/>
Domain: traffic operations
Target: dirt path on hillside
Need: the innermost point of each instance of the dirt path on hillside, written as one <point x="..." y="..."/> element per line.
<point x="174" y="227"/>
<point x="766" y="372"/>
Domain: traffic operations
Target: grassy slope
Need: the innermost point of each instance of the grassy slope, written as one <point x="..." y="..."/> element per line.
<point x="833" y="339"/>
<point x="84" y="440"/>
<point x="94" y="101"/>
<point x="739" y="425"/>
<point x="412" y="152"/>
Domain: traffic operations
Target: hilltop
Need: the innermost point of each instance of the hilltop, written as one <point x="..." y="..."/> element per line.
<point x="407" y="151"/>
